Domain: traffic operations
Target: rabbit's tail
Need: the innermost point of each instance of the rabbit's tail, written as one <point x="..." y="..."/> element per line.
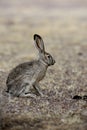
<point x="6" y="93"/>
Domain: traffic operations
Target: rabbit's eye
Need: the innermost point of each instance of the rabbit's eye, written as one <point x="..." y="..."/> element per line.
<point x="48" y="56"/>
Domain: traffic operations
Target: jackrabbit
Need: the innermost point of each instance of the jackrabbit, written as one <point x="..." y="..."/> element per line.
<point x="27" y="75"/>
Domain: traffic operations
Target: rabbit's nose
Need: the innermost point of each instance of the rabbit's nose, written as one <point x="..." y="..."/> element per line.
<point x="54" y="62"/>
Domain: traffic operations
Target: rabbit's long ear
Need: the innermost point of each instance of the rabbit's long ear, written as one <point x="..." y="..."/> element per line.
<point x="39" y="43"/>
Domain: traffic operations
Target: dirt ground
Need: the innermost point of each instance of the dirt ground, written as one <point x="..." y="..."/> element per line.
<point x="64" y="32"/>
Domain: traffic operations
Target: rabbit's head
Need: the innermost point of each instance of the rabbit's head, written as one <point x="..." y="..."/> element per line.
<point x="43" y="55"/>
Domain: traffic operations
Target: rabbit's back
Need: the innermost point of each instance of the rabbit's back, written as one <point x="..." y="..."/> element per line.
<point x="20" y="77"/>
<point x="20" y="71"/>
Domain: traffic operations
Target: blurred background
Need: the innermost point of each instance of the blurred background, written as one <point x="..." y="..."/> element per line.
<point x="57" y="21"/>
<point x="63" y="27"/>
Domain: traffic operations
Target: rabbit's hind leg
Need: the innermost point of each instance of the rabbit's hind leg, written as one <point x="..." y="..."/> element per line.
<point x="27" y="95"/>
<point x="25" y="91"/>
<point x="22" y="89"/>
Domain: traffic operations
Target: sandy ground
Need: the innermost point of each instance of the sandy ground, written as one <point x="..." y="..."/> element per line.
<point x="65" y="36"/>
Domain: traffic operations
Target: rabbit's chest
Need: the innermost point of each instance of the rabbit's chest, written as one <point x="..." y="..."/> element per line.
<point x="41" y="74"/>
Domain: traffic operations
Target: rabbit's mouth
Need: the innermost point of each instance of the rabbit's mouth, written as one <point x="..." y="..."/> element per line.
<point x="53" y="62"/>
